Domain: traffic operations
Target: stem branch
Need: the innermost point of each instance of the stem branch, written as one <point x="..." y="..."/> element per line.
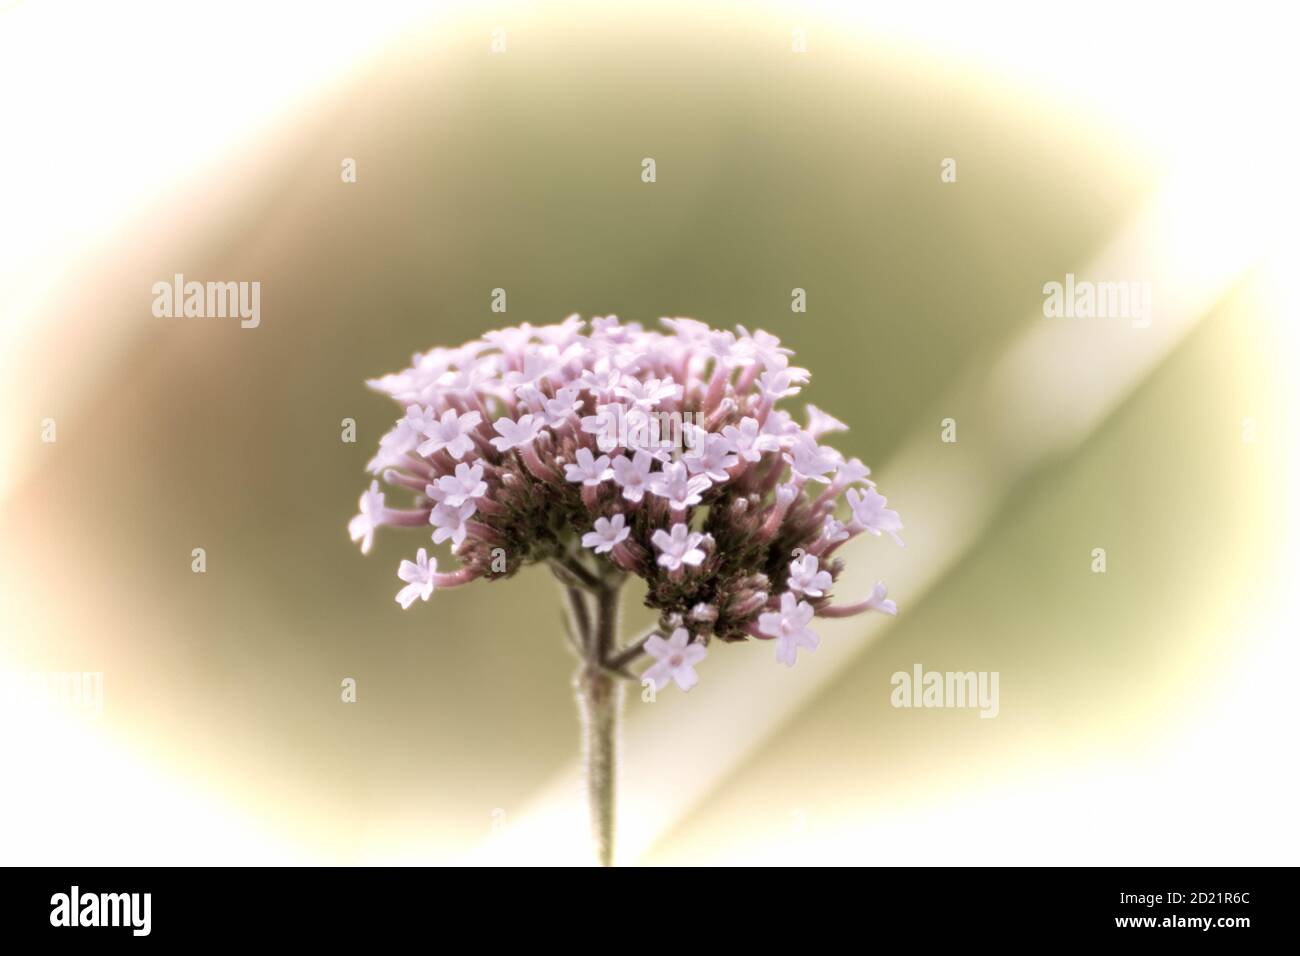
<point x="630" y="653"/>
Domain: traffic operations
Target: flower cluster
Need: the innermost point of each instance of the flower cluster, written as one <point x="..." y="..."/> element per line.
<point x="617" y="450"/>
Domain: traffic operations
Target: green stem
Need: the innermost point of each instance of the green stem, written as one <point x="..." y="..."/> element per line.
<point x="580" y="620"/>
<point x="629" y="653"/>
<point x="600" y="698"/>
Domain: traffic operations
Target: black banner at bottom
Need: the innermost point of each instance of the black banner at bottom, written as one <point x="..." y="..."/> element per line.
<point x="332" y="905"/>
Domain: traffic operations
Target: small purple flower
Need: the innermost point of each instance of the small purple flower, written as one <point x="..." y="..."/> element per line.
<point x="601" y="382"/>
<point x="748" y="441"/>
<point x="782" y="383"/>
<point x="871" y="515"/>
<point x="681" y="490"/>
<point x="561" y="408"/>
<point x="764" y="347"/>
<point x="410" y="430"/>
<point x="809" y="460"/>
<point x="609" y="532"/>
<point x="877" y="601"/>
<point x="362" y="527"/>
<point x="819" y="423"/>
<point x="806" y="579"/>
<point x="465" y="484"/>
<point x="721" y="344"/>
<point x="633" y="474"/>
<point x="789" y="626"/>
<point x="679" y="547"/>
<point x="852" y="472"/>
<point x="419" y="577"/>
<point x="605" y="425"/>
<point x="833" y="532"/>
<point x="650" y="393"/>
<point x="451" y="433"/>
<point x="780" y="428"/>
<point x="449" y="521"/>
<point x="712" y="457"/>
<point x="589" y="470"/>
<point x="538" y="366"/>
<point x="514" y="434"/>
<point x="675" y="660"/>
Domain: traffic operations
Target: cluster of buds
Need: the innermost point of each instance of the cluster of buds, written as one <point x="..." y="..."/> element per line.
<point x="614" y="450"/>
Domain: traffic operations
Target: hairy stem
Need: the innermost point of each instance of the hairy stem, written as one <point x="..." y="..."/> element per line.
<point x="600" y="698"/>
<point x="580" y="619"/>
<point x="630" y="653"/>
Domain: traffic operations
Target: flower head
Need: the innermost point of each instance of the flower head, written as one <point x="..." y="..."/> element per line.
<point x="609" y="449"/>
